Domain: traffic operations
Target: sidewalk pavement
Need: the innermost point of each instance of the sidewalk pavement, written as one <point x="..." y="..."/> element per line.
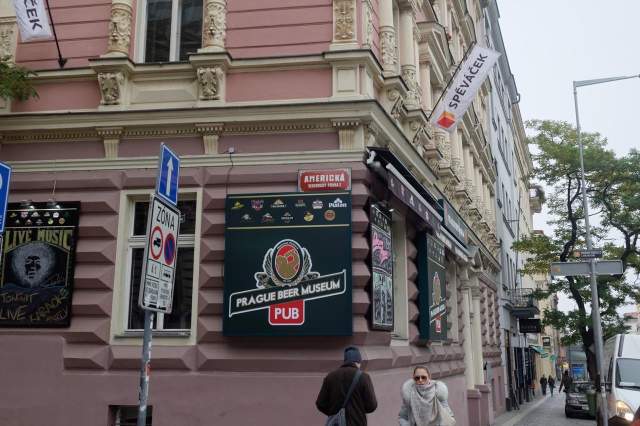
<point x="510" y="418"/>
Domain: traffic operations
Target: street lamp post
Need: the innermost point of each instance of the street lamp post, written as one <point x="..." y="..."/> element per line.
<point x="595" y="301"/>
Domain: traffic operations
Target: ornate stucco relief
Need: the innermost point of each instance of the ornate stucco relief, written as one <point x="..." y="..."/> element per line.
<point x="345" y="20"/>
<point x="215" y="25"/>
<point x="413" y="96"/>
<point x="388" y="48"/>
<point x="367" y="28"/>
<point x="210" y="80"/>
<point x="111" y="87"/>
<point x="7" y="38"/>
<point x="120" y="29"/>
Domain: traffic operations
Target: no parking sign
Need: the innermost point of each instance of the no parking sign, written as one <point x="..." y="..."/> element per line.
<point x="160" y="257"/>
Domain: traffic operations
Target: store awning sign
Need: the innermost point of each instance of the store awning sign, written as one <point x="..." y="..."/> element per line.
<point x="530" y="325"/>
<point x="453" y="222"/>
<point x="288" y="264"/>
<point x="324" y="180"/>
<point x="411" y="198"/>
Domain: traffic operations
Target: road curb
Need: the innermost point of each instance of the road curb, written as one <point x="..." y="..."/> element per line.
<point x="523" y="413"/>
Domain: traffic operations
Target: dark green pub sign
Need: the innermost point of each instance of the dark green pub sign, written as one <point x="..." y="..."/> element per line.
<point x="432" y="288"/>
<point x="288" y="264"/>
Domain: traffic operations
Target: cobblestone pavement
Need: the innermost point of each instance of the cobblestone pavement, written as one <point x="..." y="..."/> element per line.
<point x="550" y="413"/>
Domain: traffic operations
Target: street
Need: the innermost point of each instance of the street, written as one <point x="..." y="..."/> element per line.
<point x="550" y="412"/>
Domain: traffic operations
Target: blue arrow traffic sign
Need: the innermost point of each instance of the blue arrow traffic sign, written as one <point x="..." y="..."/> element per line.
<point x="168" y="175"/>
<point x="5" y="178"/>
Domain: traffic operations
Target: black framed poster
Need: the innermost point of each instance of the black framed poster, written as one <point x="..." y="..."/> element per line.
<point x="432" y="288"/>
<point x="37" y="264"/>
<point x="288" y="264"/>
<point x="381" y="270"/>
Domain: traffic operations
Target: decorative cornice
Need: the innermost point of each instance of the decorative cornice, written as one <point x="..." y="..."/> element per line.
<point x="210" y="128"/>
<point x="109" y="132"/>
<point x="254" y="159"/>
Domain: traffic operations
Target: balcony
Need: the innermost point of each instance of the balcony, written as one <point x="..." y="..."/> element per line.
<point x="523" y="304"/>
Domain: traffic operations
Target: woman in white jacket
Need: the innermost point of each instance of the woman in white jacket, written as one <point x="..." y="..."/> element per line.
<point x="424" y="401"/>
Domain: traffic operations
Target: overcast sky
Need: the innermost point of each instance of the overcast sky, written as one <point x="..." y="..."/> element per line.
<point x="550" y="43"/>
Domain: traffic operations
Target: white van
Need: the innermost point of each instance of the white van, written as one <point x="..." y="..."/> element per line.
<point x="622" y="378"/>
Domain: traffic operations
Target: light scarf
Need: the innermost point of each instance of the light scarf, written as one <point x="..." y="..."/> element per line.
<point x="424" y="407"/>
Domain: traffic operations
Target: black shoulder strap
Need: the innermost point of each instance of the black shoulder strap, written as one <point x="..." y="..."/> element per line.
<point x="355" y="381"/>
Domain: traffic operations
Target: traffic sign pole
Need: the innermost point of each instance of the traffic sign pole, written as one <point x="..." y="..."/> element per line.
<point x="143" y="392"/>
<point x="160" y="257"/>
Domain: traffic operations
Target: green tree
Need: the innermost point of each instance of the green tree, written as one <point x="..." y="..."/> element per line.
<point x="613" y="185"/>
<point x="15" y="81"/>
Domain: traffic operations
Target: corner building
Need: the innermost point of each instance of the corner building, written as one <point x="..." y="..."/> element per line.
<point x="249" y="94"/>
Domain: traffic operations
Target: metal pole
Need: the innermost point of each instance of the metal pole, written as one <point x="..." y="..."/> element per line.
<point x="61" y="60"/>
<point x="595" y="300"/>
<point x="143" y="392"/>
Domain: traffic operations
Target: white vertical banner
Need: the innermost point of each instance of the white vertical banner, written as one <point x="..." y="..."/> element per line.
<point x="33" y="20"/>
<point x="468" y="79"/>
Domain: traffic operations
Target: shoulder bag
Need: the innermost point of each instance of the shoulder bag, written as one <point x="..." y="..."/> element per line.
<point x="340" y="418"/>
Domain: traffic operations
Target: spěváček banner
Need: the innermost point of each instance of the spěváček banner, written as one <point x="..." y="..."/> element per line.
<point x="460" y="94"/>
<point x="33" y="20"/>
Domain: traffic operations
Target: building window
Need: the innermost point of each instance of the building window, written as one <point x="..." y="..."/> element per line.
<point x="170" y="29"/>
<point x="127" y="415"/>
<point x="179" y="327"/>
<point x="180" y="317"/>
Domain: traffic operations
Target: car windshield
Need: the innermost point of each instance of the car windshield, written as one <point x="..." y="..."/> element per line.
<point x="628" y="373"/>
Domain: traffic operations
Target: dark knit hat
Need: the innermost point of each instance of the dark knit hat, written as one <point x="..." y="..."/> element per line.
<point x="352" y="354"/>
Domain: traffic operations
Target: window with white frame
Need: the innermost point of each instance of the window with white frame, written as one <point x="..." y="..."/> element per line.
<point x="170" y="29"/>
<point x="180" y="317"/>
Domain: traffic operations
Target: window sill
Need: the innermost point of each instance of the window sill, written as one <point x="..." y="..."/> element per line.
<point x="399" y="341"/>
<point x="156" y="333"/>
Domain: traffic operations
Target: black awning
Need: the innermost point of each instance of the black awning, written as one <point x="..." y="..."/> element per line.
<point x="390" y="158"/>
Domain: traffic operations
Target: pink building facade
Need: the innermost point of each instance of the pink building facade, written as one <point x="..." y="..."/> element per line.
<point x="249" y="93"/>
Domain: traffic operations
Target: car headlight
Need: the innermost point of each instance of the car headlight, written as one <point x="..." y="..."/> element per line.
<point x="624" y="411"/>
<point x="572" y="401"/>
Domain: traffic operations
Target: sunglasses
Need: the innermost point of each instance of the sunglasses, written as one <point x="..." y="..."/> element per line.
<point x="418" y="378"/>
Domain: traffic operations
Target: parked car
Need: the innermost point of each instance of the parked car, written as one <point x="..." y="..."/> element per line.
<point x="576" y="404"/>
<point x="622" y="378"/>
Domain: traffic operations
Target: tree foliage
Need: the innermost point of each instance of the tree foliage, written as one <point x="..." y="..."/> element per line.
<point x="15" y="81"/>
<point x="613" y="186"/>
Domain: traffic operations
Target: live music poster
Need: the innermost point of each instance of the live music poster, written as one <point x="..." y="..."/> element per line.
<point x="37" y="264"/>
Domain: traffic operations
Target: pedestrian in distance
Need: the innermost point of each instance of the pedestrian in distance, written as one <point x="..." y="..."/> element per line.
<point x="424" y="401"/>
<point x="543" y="384"/>
<point x="347" y="393"/>
<point x="566" y="382"/>
<point x="552" y="383"/>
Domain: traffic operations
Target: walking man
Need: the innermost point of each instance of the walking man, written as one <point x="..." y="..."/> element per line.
<point x="567" y="382"/>
<point x="543" y="384"/>
<point x="335" y="388"/>
<point x="552" y="383"/>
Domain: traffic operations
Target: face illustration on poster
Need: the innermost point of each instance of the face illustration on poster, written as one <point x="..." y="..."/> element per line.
<point x="32" y="263"/>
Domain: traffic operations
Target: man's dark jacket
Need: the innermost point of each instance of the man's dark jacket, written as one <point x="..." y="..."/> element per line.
<point x="334" y="391"/>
